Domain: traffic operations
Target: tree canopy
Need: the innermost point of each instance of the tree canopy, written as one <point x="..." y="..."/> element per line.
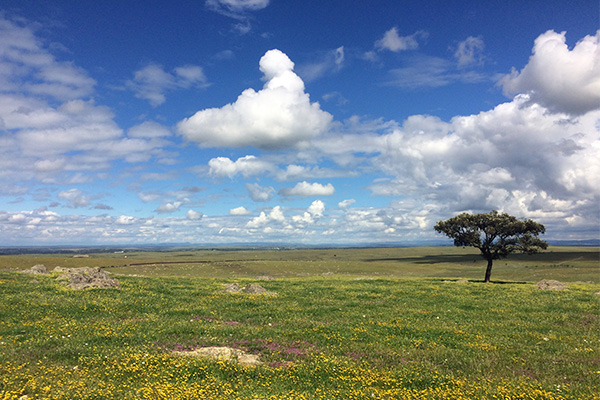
<point x="495" y="234"/>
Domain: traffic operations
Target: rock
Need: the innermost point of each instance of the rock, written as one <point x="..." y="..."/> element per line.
<point x="36" y="269"/>
<point x="265" y="278"/>
<point x="253" y="288"/>
<point x="549" y="284"/>
<point x="83" y="278"/>
<point x="223" y="353"/>
<point x="233" y="288"/>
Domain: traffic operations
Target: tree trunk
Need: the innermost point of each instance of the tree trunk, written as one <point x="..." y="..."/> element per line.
<point x="488" y="270"/>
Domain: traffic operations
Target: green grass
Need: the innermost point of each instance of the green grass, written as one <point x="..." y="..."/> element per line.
<point x="569" y="264"/>
<point x="361" y="332"/>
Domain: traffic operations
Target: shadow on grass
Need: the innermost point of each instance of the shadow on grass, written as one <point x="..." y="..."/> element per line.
<point x="432" y="259"/>
<point x="547" y="256"/>
<point x="482" y="281"/>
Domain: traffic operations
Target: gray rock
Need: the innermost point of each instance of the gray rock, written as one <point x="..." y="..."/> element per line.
<point x="36" y="270"/>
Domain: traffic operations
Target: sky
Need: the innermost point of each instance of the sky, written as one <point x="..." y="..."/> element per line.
<point x="297" y="122"/>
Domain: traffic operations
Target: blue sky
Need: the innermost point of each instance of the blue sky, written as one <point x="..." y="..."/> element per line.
<point x="304" y="122"/>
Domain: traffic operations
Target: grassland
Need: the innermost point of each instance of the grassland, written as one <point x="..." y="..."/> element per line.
<point x="345" y="324"/>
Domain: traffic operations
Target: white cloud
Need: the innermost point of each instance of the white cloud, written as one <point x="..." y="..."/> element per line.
<point x="330" y="62"/>
<point x="470" y="52"/>
<point x="246" y="166"/>
<point x="558" y="78"/>
<point x="295" y="172"/>
<point x="498" y="159"/>
<point x="152" y="82"/>
<point x="259" y="193"/>
<point x="169" y="207"/>
<point x="27" y="67"/>
<point x="239" y="211"/>
<point x="50" y="141"/>
<point x="275" y="215"/>
<point x="278" y="116"/>
<point x="427" y="71"/>
<point x="148" y="129"/>
<point x="346" y="203"/>
<point x="125" y="220"/>
<point x="74" y="197"/>
<point x="317" y="208"/>
<point x="305" y="189"/>
<point x="194" y="215"/>
<point x="236" y="8"/>
<point x="148" y="196"/>
<point x="393" y="42"/>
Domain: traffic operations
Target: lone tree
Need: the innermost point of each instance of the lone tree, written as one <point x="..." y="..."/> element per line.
<point x="495" y="234"/>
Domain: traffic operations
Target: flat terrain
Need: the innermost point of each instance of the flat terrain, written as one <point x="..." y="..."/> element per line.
<point x="569" y="264"/>
<point x="407" y="323"/>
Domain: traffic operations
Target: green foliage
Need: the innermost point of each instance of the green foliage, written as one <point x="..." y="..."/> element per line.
<point x="495" y="234"/>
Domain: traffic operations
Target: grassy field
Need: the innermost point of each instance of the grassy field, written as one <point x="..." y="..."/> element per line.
<point x="569" y="264"/>
<point x="344" y="324"/>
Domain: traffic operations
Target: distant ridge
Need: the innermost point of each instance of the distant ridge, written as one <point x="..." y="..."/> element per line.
<point x="169" y="247"/>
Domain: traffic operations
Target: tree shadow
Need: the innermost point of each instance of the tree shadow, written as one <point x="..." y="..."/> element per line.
<point x="493" y="282"/>
<point x="432" y="259"/>
<point x="546" y="256"/>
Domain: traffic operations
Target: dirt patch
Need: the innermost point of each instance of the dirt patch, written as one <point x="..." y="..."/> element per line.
<point x="223" y="353"/>
<point x="549" y="284"/>
<point x="84" y="278"/>
<point x="456" y="281"/>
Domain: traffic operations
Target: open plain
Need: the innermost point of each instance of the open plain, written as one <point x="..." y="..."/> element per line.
<point x="387" y="323"/>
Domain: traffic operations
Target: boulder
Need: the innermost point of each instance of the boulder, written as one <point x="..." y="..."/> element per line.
<point x="233" y="288"/>
<point x="83" y="278"/>
<point x="36" y="270"/>
<point x="254" y="288"/>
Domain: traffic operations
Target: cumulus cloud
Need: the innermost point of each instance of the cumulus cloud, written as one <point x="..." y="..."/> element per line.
<point x="518" y="157"/>
<point x="393" y="42"/>
<point x="305" y="189"/>
<point x="75" y="198"/>
<point x="194" y="215"/>
<point x="125" y="220"/>
<point x="169" y="207"/>
<point x="239" y="211"/>
<point x="259" y="193"/>
<point x="470" y="52"/>
<point x="346" y="203"/>
<point x="559" y="78"/>
<point x="316" y="208"/>
<point x="246" y="166"/>
<point x="278" y="116"/>
<point x="275" y="215"/>
<point x="152" y="82"/>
